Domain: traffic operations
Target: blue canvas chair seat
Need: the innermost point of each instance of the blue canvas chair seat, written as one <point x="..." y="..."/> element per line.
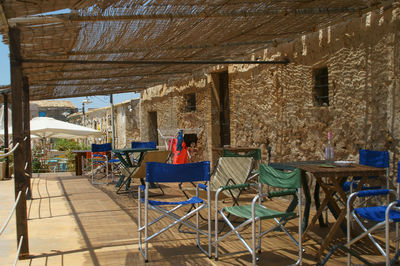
<point x="173" y="173"/>
<point x="100" y="163"/>
<point x="287" y="183"/>
<point x="194" y="200"/>
<point x="377" y="213"/>
<point x="346" y="185"/>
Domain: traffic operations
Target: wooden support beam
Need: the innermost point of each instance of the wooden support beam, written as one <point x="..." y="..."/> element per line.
<point x="128" y="76"/>
<point x="27" y="133"/>
<point x="63" y="18"/>
<point x="153" y="62"/>
<point x="43" y="94"/>
<point x="5" y="126"/>
<point x="20" y="180"/>
<point x="60" y="85"/>
<point x="207" y="45"/>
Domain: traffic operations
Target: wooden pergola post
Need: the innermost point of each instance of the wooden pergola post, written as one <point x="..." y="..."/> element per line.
<point x="27" y="133"/>
<point x="21" y="180"/>
<point x="5" y="126"/>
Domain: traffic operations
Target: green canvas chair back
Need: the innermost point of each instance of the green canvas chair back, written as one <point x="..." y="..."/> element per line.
<point x="279" y="179"/>
<point x="231" y="171"/>
<point x="255" y="154"/>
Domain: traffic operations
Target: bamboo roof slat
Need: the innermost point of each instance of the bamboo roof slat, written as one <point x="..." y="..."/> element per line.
<point x="66" y="53"/>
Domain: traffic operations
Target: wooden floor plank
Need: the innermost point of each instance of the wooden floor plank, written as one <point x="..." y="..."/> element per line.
<point x="72" y="222"/>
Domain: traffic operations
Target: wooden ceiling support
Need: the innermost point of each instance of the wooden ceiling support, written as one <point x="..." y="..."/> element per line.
<point x="153" y="62"/>
<point x="21" y="180"/>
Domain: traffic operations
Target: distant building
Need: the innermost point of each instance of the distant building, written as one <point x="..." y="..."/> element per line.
<point x="55" y="109"/>
<point x="126" y="122"/>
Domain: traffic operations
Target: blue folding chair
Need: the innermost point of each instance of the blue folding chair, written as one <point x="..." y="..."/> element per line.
<point x="100" y="163"/>
<point x="380" y="216"/>
<point x="372" y="158"/>
<point x="174" y="173"/>
<point x="141" y="145"/>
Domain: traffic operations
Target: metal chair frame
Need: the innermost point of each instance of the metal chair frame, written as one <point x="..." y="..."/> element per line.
<point x="145" y="237"/>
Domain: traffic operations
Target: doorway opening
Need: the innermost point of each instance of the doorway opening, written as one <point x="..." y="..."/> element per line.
<point x="153" y="133"/>
<point x="225" y="133"/>
<point x="220" y="110"/>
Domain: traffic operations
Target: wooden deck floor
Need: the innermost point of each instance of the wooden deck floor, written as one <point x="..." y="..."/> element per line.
<point x="72" y="222"/>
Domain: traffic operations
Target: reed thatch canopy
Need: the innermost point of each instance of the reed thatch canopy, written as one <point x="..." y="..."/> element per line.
<point x="103" y="47"/>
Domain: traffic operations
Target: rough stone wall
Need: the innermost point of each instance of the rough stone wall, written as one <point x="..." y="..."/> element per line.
<point x="126" y="125"/>
<point x="274" y="104"/>
<point x="171" y="114"/>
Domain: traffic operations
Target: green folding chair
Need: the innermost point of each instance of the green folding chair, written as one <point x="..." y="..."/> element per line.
<point x="287" y="183"/>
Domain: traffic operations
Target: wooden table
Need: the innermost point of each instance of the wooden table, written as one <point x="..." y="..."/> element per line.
<point x="331" y="179"/>
<point x="79" y="155"/>
<point x="234" y="149"/>
<point x="125" y="156"/>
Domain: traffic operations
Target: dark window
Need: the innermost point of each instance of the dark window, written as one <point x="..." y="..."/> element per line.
<point x="189" y="138"/>
<point x="190" y="100"/>
<point x="321" y="87"/>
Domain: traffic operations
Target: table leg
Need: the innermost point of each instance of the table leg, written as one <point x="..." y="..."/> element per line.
<point x="335" y="209"/>
<point x="307" y="196"/>
<point x="328" y="201"/>
<point x="317" y="204"/>
<point x="332" y="232"/>
<point x="315" y="218"/>
<point x="78" y="164"/>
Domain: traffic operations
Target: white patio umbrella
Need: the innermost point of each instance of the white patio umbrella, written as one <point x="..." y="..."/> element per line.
<point x="47" y="127"/>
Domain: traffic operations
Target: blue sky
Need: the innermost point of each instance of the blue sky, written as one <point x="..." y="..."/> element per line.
<point x="97" y="101"/>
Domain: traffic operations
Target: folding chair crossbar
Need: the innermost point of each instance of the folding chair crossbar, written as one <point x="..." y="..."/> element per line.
<point x="279" y="224"/>
<point x="177" y="220"/>
<point x="235" y="230"/>
<point x="367" y="232"/>
<point x="162" y="216"/>
<point x="283" y="228"/>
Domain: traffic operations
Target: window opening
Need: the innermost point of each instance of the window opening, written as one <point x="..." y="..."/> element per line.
<point x="190" y="100"/>
<point x="321" y="87"/>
